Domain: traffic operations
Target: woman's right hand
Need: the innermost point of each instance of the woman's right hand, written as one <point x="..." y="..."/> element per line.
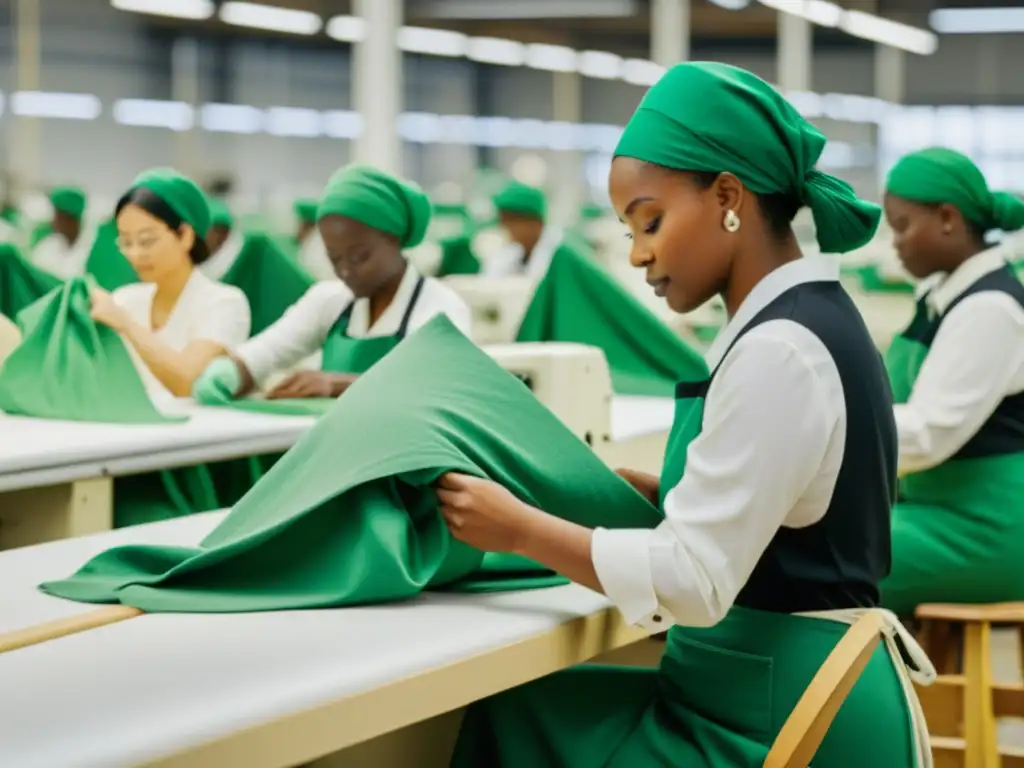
<point x="645" y="483"/>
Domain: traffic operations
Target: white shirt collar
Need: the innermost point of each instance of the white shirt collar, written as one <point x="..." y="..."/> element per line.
<point x="391" y="319"/>
<point x="806" y="270"/>
<point x="950" y="287"/>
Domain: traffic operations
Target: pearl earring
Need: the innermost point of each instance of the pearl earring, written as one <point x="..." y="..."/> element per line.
<point x="731" y="222"/>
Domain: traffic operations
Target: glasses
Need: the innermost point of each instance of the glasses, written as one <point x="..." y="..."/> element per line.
<point x="144" y="242"/>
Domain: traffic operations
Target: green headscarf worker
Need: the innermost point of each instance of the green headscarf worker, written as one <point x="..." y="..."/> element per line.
<point x="176" y="320"/>
<point x="366" y="218"/>
<point x="522" y="213"/>
<point x="64" y="249"/>
<point x="765" y="555"/>
<point x="958" y="377"/>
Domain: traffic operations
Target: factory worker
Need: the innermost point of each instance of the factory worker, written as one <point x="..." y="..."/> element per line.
<point x="64" y="249"/>
<point x="312" y="253"/>
<point x="522" y="213"/>
<point x="778" y="476"/>
<point x="958" y="380"/>
<point x="177" y="320"/>
<point x="366" y="218"/>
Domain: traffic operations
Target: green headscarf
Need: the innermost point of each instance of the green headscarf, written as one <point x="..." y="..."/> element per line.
<point x="378" y="200"/>
<point x="706" y="116"/>
<point x="522" y="199"/>
<point x="69" y="200"/>
<point x="305" y="210"/>
<point x="182" y="194"/>
<point x="939" y="175"/>
<point x="9" y="213"/>
<point x="220" y="214"/>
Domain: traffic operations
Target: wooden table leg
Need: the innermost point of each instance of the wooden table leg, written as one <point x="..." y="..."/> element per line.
<point x="36" y="515"/>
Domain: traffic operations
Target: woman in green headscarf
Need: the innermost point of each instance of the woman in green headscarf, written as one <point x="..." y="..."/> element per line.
<point x="366" y="218"/>
<point x="957" y="375"/>
<point x="767" y="551"/>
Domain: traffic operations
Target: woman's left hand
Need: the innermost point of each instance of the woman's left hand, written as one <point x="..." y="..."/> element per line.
<point x="483" y="514"/>
<point x="106" y="311"/>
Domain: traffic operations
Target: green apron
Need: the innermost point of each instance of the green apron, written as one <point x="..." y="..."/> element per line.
<point x="343" y="354"/>
<point x="21" y="281"/>
<point x="958" y="528"/>
<point x="348" y="516"/>
<point x="718" y="700"/>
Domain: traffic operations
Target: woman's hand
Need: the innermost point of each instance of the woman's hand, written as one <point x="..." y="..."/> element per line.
<point x="483" y="514"/>
<point x="309" y="384"/>
<point x="106" y="311"/>
<point x="645" y="484"/>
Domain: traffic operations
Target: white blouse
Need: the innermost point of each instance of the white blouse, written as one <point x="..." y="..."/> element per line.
<point x="58" y="257"/>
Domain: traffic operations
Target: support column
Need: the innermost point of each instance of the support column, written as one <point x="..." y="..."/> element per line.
<point x="670" y="31"/>
<point x="890" y="74"/>
<point x="377" y="84"/>
<point x="185" y="88"/>
<point x="567" y="163"/>
<point x="25" y="157"/>
<point x="794" y="54"/>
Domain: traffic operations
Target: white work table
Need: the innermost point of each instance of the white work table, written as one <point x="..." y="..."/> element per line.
<point x="269" y="689"/>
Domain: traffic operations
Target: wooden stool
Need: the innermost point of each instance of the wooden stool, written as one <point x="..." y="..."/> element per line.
<point x="963" y="704"/>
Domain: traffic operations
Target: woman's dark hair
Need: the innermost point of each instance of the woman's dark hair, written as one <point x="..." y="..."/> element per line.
<point x="155" y="206"/>
<point x="779" y="209"/>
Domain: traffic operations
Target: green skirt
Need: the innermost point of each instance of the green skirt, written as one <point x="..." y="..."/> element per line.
<point x="718" y="700"/>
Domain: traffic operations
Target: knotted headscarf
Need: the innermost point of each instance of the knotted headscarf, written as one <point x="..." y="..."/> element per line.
<point x="378" y="200"/>
<point x="712" y="117"/>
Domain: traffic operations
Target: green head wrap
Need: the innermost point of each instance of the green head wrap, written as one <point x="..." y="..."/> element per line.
<point x="181" y="194"/>
<point x="305" y="210"/>
<point x="521" y="199"/>
<point x="378" y="200"/>
<point x="10" y="214"/>
<point x="220" y="214"/>
<point x="705" y="116"/>
<point x="939" y="175"/>
<point x="69" y="200"/>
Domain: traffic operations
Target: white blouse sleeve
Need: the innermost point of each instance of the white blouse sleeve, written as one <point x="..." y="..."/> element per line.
<point x="227" y="319"/>
<point x="769" y="416"/>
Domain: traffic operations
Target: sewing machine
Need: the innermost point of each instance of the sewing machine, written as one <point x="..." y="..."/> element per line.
<point x="497" y="304"/>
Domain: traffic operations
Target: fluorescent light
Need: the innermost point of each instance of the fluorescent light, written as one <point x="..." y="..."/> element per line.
<point x="432" y="42"/>
<point x="294" y="121"/>
<point x="419" y="127"/>
<point x="347" y="29"/>
<point x="62" y="106"/>
<point x="888" y="32"/>
<point x="343" y="124"/>
<point x="731" y="5"/>
<point x="555" y="58"/>
<point x="271" y="18"/>
<point x="496" y="50"/>
<point x="977" y="21"/>
<point x="231" y="118"/>
<point x="818" y="12"/>
<point x="528" y="9"/>
<point x="641" y="72"/>
<point x="600" y="64"/>
<point x="149" y="113"/>
<point x="179" y="9"/>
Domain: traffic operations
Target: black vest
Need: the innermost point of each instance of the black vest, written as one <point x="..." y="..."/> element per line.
<point x="1003" y="432"/>
<point x="839" y="561"/>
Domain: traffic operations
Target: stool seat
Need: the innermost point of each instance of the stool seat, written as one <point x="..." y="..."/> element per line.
<point x="993" y="613"/>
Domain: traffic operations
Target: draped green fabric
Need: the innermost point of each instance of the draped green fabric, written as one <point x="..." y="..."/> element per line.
<point x="348" y="516"/>
<point x="106" y="263"/>
<point x="69" y="367"/>
<point x="872" y="281"/>
<point x="269" y="278"/>
<point x="40" y="231"/>
<point x="579" y="301"/>
<point x="457" y="257"/>
<point x="21" y="282"/>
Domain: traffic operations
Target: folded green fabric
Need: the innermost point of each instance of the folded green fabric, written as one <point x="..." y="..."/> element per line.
<point x="295" y="406"/>
<point x="348" y="516"/>
<point x="21" y="282"/>
<point x="269" y="278"/>
<point x="69" y="367"/>
<point x="579" y="301"/>
<point x="106" y="263"/>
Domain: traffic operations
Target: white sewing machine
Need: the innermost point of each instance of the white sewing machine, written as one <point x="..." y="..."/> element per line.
<point x="497" y="304"/>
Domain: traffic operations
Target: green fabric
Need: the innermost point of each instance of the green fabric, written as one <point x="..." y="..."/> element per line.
<point x="707" y="116"/>
<point x="378" y="200"/>
<point x="181" y="194"/>
<point x="69" y="367"/>
<point x="220" y="214"/>
<point x="21" y="282"/>
<point x="305" y="210"/>
<point x="958" y="529"/>
<point x="457" y="257"/>
<point x="522" y="199"/>
<point x="872" y="281"/>
<point x="590" y="211"/>
<point x="39" y="232"/>
<point x="579" y="301"/>
<point x="269" y="279"/>
<point x="718" y="700"/>
<point x="939" y="175"/>
<point x="450" y="221"/>
<point x="348" y="516"/>
<point x="296" y="406"/>
<point x="106" y="263"/>
<point x="9" y="213"/>
<point x="69" y="200"/>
